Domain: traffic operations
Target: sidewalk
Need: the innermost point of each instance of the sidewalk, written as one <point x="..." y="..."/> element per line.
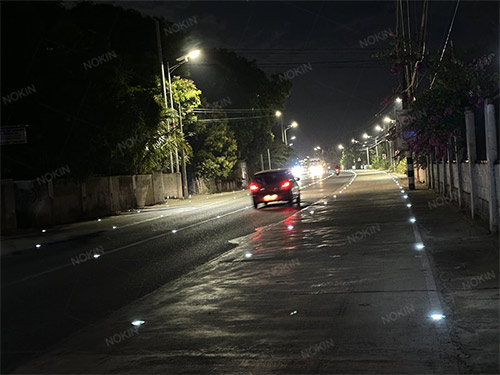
<point x="338" y="287"/>
<point x="27" y="237"/>
<point x="465" y="257"/>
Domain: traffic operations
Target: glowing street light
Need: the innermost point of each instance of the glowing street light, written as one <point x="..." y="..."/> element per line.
<point x="398" y="100"/>
<point x="293" y="138"/>
<point x="341" y="147"/>
<point x="378" y="128"/>
<point x="181" y="60"/>
<point x="366" y="136"/>
<point x="292" y="125"/>
<point x="278" y="115"/>
<point x="388" y="120"/>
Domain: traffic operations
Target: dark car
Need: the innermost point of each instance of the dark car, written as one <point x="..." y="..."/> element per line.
<point x="275" y="185"/>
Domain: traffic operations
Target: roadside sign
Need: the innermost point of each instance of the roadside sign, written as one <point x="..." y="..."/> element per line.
<point x="13" y="135"/>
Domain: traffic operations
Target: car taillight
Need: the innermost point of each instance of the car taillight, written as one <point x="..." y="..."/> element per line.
<point x="286" y="185"/>
<point x="254" y="187"/>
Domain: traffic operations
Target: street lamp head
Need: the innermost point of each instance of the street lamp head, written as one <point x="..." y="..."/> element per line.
<point x="378" y="128"/>
<point x="193" y="54"/>
<point x="290" y="144"/>
<point x="277" y="113"/>
<point x="292" y="138"/>
<point x="399" y="100"/>
<point x="353" y="140"/>
<point x="387" y="119"/>
<point x="366" y="136"/>
<point x="294" y="124"/>
<point x="341" y="147"/>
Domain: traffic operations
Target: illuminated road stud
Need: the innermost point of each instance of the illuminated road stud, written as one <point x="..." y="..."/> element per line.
<point x="437" y="317"/>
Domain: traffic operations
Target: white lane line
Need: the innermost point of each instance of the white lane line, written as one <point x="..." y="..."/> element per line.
<point x="429" y="277"/>
<point x="29" y="277"/>
<point x="169" y="212"/>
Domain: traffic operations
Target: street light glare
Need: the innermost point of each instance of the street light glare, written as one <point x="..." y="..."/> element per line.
<point x="294" y="124"/>
<point x="387" y="119"/>
<point x="193" y="54"/>
<point x="378" y="128"/>
<point x="399" y="100"/>
<point x="292" y="138"/>
<point x="365" y="135"/>
<point x="341" y="147"/>
<point x="277" y="113"/>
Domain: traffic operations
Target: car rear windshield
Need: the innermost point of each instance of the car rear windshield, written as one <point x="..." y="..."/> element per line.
<point x="271" y="178"/>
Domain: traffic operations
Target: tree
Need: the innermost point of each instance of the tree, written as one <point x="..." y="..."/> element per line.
<point x="95" y="69"/>
<point x="227" y="75"/>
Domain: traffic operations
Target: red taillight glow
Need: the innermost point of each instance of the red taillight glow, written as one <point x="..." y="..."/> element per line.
<point x="254" y="187"/>
<point x="286" y="185"/>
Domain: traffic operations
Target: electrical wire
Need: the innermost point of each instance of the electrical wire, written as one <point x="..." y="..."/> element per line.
<point x="446" y="42"/>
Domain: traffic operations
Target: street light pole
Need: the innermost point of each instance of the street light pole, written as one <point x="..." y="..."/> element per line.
<point x="183" y="156"/>
<point x="160" y="55"/>
<point x="172" y="106"/>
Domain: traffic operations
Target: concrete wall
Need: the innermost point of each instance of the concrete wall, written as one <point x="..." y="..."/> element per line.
<point x="172" y="185"/>
<point x="34" y="203"/>
<point x="8" y="208"/>
<point x="481" y="184"/>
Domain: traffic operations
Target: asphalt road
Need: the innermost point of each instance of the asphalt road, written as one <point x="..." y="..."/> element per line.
<point x="52" y="291"/>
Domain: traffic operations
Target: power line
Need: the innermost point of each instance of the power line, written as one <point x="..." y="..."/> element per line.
<point x="446" y="42"/>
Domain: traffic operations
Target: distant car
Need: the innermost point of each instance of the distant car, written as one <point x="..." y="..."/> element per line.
<point x="275" y="185"/>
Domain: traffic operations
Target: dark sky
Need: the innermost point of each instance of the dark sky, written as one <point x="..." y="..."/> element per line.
<point x="337" y="98"/>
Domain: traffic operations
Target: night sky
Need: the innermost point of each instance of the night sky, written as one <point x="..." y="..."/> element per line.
<point x="338" y="95"/>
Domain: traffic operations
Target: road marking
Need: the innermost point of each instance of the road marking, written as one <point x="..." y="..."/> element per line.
<point x="54" y="269"/>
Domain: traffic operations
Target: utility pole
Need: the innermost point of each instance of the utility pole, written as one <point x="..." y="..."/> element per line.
<point x="172" y="106"/>
<point x="163" y="85"/>
<point x="183" y="157"/>
<point x="261" y="162"/>
<point x="367" y="157"/>
<point x="269" y="158"/>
